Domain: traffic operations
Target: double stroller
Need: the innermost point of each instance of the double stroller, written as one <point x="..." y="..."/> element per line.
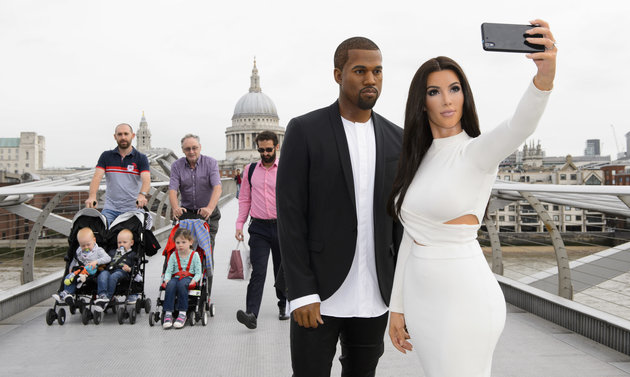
<point x="144" y="244"/>
<point x="199" y="305"/>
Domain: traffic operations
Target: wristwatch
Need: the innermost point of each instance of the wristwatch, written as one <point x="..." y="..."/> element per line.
<point x="144" y="193"/>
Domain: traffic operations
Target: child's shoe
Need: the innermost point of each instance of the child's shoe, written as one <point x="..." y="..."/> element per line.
<point x="132" y="299"/>
<point x="67" y="298"/>
<point x="101" y="302"/>
<point x="180" y="321"/>
<point x="168" y="321"/>
<point x="57" y="297"/>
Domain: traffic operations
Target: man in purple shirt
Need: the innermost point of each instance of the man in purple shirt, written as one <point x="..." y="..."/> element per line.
<point x="197" y="178"/>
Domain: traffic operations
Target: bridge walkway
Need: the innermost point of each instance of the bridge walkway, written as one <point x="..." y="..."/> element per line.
<point x="529" y="346"/>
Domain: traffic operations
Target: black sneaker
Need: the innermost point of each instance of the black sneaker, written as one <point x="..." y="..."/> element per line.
<point x="69" y="299"/>
<point x="248" y="319"/>
<point x="283" y="316"/>
<point x="102" y="298"/>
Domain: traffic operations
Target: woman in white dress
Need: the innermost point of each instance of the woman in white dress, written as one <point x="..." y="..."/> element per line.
<point x="445" y="297"/>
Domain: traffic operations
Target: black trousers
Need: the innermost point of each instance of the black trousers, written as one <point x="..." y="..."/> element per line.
<point x="263" y="238"/>
<point x="313" y="350"/>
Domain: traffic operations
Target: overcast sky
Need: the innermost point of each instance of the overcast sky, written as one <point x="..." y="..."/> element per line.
<point x="71" y="70"/>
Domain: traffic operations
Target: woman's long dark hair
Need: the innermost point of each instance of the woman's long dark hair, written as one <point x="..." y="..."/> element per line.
<point x="417" y="137"/>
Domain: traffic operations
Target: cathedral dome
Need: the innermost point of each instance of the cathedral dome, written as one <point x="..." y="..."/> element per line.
<point x="255" y="102"/>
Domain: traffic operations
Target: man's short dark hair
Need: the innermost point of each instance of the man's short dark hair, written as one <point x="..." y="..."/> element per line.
<point x="267" y="135"/>
<point x="354" y="43"/>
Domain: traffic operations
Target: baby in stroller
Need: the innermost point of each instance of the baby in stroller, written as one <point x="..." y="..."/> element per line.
<point x="121" y="266"/>
<point x="88" y="257"/>
<point x="178" y="279"/>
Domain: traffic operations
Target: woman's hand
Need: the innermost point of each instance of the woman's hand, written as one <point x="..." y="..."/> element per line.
<point x="544" y="60"/>
<point x="398" y="332"/>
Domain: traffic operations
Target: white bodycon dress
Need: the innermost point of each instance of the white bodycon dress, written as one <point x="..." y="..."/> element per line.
<point x="454" y="308"/>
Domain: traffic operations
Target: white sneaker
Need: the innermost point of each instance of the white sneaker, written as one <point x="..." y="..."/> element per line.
<point x="180" y="321"/>
<point x="57" y="298"/>
<point x="168" y="321"/>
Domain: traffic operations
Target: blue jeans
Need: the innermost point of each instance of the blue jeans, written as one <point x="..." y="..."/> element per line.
<point x="238" y="190"/>
<point x="72" y="288"/>
<point x="107" y="281"/>
<point x="110" y="215"/>
<point x="176" y="287"/>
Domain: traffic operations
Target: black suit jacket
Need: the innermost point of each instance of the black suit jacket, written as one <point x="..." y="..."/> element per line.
<point x="317" y="222"/>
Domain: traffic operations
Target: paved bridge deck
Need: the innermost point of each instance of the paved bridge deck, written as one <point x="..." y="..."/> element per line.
<point x="529" y="346"/>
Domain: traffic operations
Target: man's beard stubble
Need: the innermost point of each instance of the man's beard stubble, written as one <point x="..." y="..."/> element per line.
<point x="268" y="160"/>
<point x="369" y="104"/>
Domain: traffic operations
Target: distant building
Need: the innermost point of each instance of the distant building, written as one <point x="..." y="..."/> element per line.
<point x="617" y="173"/>
<point x="533" y="156"/>
<point x="592" y="147"/>
<point x="536" y="168"/>
<point x="254" y="112"/>
<point x="143" y="136"/>
<point x="24" y="154"/>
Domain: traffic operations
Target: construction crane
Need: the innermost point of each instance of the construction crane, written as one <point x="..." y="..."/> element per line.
<point x="616" y="142"/>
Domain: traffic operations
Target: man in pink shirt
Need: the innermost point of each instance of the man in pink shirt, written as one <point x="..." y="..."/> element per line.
<point x="258" y="200"/>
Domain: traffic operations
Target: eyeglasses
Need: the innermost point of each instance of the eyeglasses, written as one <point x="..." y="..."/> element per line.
<point x="263" y="150"/>
<point x="190" y="149"/>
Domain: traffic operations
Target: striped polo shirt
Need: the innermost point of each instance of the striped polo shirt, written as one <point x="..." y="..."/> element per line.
<point x="122" y="177"/>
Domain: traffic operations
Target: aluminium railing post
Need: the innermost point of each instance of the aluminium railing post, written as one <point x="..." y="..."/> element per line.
<point x="28" y="262"/>
<point x="565" y="286"/>
<point x="495" y="243"/>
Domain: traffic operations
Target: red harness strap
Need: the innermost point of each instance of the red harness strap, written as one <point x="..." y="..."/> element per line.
<point x="183" y="273"/>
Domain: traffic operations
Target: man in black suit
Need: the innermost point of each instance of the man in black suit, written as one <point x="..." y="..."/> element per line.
<point x="337" y="242"/>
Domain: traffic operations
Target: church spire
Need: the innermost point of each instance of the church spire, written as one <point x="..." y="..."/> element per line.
<point x="255" y="80"/>
<point x="143" y="136"/>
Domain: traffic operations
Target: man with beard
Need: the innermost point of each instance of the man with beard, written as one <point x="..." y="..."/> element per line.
<point x="338" y="244"/>
<point x="127" y="175"/>
<point x="258" y="200"/>
<point x="197" y="178"/>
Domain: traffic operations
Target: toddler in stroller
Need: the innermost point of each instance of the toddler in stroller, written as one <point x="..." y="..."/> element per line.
<point x="177" y="280"/>
<point x="198" y="307"/>
<point x="88" y="257"/>
<point x="121" y="267"/>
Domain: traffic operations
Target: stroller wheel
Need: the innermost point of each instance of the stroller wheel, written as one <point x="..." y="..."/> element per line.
<point x="121" y="316"/>
<point x="204" y="316"/>
<point x="50" y="316"/>
<point x="85" y="316"/>
<point x="73" y="309"/>
<point x="212" y="310"/>
<point x="61" y="316"/>
<point x="97" y="317"/>
<point x="132" y="317"/>
<point x="139" y="305"/>
<point x="147" y="305"/>
<point x="81" y="306"/>
<point x="151" y="319"/>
